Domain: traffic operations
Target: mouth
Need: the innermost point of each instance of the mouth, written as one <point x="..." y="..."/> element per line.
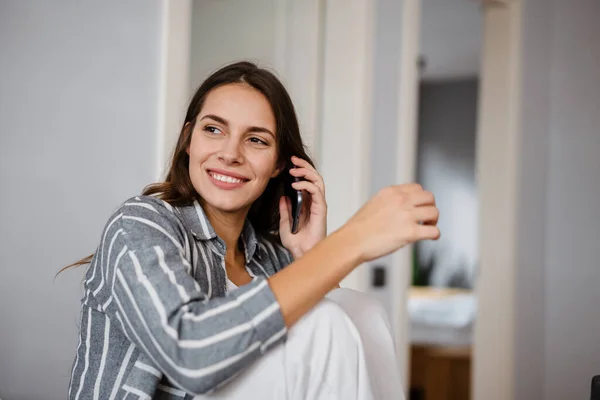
<point x="227" y="179"/>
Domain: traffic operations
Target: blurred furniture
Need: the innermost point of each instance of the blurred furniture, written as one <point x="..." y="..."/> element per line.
<point x="441" y="337"/>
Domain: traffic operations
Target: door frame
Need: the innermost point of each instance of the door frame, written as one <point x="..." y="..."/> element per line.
<point x="173" y="77"/>
<point x="406" y="166"/>
<point x="498" y="171"/>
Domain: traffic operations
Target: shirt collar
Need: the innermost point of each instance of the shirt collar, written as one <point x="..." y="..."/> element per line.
<point x="196" y="220"/>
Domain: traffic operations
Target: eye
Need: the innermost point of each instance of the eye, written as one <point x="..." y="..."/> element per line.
<point x="212" y="129"/>
<point x="258" y="141"/>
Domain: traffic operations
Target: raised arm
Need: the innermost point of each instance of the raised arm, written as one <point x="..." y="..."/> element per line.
<point x="395" y="217"/>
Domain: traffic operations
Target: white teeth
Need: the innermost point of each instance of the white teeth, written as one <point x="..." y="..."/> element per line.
<point x="224" y="178"/>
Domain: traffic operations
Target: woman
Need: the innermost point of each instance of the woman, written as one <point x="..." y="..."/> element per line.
<point x="195" y="281"/>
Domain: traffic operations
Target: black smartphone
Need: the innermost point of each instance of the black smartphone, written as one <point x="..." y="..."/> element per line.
<point x="296" y="199"/>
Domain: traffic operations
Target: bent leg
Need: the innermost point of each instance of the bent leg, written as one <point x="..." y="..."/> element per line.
<point x="371" y="321"/>
<point x="322" y="359"/>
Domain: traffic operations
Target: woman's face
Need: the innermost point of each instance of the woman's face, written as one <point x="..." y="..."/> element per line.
<point x="233" y="151"/>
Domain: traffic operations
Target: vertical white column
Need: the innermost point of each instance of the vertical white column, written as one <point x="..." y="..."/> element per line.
<point x="173" y="76"/>
<point x="346" y="113"/>
<point x="400" y="274"/>
<point x="497" y="180"/>
<point x="298" y="59"/>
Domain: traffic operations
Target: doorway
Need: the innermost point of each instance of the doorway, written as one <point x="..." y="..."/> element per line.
<point x="441" y="301"/>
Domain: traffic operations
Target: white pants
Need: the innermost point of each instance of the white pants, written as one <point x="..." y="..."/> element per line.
<point x="342" y="349"/>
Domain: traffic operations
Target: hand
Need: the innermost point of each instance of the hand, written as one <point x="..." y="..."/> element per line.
<point x="313" y="217"/>
<point x="394" y="217"/>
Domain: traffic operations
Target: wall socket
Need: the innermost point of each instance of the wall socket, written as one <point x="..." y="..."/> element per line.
<point x="378" y="276"/>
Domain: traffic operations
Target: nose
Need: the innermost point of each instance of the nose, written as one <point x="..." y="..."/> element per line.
<point x="231" y="152"/>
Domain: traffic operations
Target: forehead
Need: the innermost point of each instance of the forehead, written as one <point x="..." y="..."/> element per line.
<point x="241" y="105"/>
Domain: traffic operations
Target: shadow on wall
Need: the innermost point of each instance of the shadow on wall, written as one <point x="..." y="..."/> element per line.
<point x="446" y="166"/>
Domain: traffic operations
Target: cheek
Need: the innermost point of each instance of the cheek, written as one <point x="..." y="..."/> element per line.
<point x="198" y="151"/>
<point x="266" y="166"/>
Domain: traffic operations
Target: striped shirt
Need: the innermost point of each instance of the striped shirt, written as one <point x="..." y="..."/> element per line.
<point x="157" y="320"/>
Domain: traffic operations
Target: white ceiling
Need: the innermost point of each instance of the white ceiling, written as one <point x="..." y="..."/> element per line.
<point x="451" y="36"/>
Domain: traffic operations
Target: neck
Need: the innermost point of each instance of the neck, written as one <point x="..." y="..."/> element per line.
<point x="228" y="226"/>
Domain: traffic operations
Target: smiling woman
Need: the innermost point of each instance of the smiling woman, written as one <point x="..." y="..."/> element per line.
<point x="238" y="153"/>
<point x="199" y="286"/>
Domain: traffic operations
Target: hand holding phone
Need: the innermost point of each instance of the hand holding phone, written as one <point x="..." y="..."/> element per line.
<point x="295" y="197"/>
<point x="305" y="213"/>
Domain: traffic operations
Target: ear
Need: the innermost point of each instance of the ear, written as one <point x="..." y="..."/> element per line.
<point x="280" y="167"/>
<point x="276" y="173"/>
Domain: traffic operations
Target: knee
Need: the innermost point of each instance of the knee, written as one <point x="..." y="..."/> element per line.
<point x="371" y="304"/>
<point x="327" y="314"/>
<point x="327" y="322"/>
<point x="359" y="304"/>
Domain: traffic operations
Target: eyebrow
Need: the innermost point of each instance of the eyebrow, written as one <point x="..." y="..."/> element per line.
<point x="221" y="120"/>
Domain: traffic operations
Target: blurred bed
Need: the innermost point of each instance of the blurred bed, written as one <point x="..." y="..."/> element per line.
<point x="441" y="334"/>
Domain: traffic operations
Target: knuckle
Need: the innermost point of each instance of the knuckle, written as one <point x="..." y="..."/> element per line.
<point x="412" y="187"/>
<point x="403" y="197"/>
<point x="386" y="192"/>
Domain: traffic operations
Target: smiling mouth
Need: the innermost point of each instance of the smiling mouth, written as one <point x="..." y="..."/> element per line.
<point x="226" y="178"/>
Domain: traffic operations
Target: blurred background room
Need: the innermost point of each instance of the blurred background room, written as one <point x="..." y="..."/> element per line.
<point x="493" y="105"/>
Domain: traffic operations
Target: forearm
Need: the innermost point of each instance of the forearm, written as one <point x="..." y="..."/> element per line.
<point x="302" y="284"/>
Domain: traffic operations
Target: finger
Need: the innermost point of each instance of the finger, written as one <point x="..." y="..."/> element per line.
<point x="300" y="162"/>
<point x="423" y="198"/>
<point x="427" y="232"/>
<point x="411" y="187"/>
<point x="317" y="196"/>
<point x="427" y="215"/>
<point x="284" y="216"/>
<point x="310" y="175"/>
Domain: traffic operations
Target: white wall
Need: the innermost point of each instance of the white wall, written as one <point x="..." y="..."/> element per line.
<point x="387" y="44"/>
<point x="284" y="36"/>
<point x="451" y="32"/>
<point x="231" y="30"/>
<point x="556" y="272"/>
<point x="78" y="99"/>
<point x="572" y="324"/>
<point x="531" y="225"/>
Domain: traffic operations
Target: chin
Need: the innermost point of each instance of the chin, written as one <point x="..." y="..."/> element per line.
<point x="225" y="203"/>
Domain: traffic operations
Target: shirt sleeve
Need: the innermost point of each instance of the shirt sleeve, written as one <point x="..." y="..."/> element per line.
<point x="196" y="341"/>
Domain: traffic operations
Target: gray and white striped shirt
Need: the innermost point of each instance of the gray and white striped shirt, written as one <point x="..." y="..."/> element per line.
<point x="157" y="321"/>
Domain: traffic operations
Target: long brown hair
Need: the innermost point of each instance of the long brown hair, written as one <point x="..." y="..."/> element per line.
<point x="177" y="188"/>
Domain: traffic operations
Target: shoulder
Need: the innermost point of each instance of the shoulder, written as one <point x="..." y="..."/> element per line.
<point x="144" y="204"/>
<point x="147" y="211"/>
